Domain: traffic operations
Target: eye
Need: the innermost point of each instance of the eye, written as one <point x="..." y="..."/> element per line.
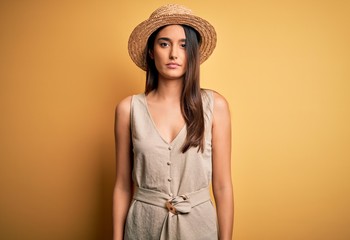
<point x="164" y="44"/>
<point x="183" y="45"/>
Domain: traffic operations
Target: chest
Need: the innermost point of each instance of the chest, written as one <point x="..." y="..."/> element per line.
<point x="167" y="120"/>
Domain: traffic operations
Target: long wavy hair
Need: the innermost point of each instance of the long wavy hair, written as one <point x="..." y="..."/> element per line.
<point x="191" y="98"/>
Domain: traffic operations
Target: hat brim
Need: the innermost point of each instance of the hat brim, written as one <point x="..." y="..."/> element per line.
<point x="139" y="36"/>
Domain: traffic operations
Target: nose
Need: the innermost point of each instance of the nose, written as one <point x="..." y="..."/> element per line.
<point x="173" y="53"/>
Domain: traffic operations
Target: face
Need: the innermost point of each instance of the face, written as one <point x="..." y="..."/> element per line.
<point x="169" y="52"/>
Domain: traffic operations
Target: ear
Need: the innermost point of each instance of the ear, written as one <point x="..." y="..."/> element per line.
<point x="151" y="55"/>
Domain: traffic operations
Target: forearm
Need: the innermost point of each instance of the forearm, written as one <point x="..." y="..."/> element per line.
<point x="224" y="208"/>
<point x="121" y="203"/>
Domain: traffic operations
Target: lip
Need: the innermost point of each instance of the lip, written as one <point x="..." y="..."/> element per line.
<point x="173" y="65"/>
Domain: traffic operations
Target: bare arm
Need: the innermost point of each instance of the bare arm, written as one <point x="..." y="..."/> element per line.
<point x="222" y="185"/>
<point x="123" y="185"/>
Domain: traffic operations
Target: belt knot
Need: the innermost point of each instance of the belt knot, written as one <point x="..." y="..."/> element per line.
<point x="179" y="204"/>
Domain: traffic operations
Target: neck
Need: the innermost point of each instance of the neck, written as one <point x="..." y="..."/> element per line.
<point x="169" y="90"/>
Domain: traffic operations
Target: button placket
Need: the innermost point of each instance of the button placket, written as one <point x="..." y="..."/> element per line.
<point x="169" y="171"/>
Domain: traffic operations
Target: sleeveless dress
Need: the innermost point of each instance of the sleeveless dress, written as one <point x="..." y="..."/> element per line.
<point x="171" y="198"/>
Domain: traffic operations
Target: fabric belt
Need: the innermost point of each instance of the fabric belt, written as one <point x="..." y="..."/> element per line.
<point x="176" y="205"/>
<point x="182" y="203"/>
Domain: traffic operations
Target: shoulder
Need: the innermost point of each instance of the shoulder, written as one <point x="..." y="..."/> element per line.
<point x="123" y="107"/>
<point x="221" y="111"/>
<point x="219" y="101"/>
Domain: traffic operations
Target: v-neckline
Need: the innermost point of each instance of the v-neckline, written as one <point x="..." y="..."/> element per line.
<point x="156" y="128"/>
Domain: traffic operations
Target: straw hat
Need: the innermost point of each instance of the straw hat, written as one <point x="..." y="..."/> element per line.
<point x="167" y="15"/>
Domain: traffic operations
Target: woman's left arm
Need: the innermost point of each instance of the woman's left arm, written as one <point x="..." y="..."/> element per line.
<point x="222" y="184"/>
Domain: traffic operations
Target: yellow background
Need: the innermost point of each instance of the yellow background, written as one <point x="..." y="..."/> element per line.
<point x="283" y="65"/>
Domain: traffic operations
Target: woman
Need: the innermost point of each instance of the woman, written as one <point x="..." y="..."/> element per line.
<point x="173" y="140"/>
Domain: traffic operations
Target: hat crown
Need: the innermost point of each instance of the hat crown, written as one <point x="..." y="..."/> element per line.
<point x="170" y="9"/>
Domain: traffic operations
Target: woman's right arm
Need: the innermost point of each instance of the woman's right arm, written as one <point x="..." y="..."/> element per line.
<point x="123" y="185"/>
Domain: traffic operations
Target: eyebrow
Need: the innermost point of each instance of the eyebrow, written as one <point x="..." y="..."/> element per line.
<point x="169" y="40"/>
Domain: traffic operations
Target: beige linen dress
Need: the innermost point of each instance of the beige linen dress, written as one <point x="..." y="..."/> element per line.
<point x="171" y="199"/>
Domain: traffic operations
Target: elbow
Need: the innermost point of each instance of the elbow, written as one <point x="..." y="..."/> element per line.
<point x="223" y="190"/>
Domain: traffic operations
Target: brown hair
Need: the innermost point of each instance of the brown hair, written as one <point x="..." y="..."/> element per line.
<point x="191" y="98"/>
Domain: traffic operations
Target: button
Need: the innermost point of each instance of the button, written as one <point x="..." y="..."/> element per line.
<point x="171" y="207"/>
<point x="168" y="163"/>
<point x="169" y="147"/>
<point x="170" y="194"/>
<point x="169" y="179"/>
